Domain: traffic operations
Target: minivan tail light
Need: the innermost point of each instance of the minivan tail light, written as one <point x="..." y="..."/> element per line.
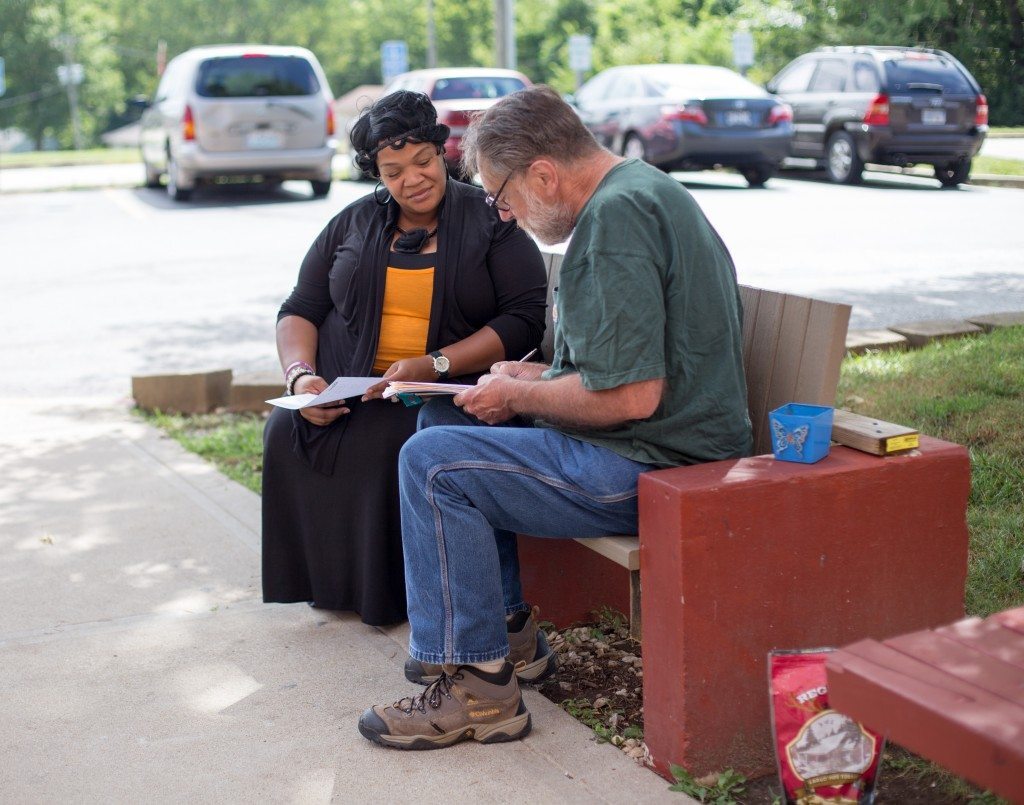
<point x="981" y="111"/>
<point x="780" y="113"/>
<point x="878" y="111"/>
<point x="692" y="112"/>
<point x="188" y="125"/>
<point x="330" y="121"/>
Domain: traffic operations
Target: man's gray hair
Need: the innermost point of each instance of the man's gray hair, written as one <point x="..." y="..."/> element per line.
<point x="525" y="126"/>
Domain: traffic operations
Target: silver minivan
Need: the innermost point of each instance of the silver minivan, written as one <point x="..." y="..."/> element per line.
<point x="240" y="111"/>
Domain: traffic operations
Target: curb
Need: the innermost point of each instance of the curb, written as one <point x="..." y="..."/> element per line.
<point x="991" y="180"/>
<point x="916" y="334"/>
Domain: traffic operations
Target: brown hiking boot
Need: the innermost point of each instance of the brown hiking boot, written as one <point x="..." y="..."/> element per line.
<point x="463" y="703"/>
<point x="528" y="652"/>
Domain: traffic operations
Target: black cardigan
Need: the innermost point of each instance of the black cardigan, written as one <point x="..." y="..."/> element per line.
<point x="488" y="272"/>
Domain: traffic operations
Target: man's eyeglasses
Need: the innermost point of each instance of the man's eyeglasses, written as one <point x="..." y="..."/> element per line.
<point x="492" y="199"/>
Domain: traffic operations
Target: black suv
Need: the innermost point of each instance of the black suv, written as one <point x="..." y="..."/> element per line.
<point x="885" y="105"/>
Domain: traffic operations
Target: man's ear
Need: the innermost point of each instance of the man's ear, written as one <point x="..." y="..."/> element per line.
<point x="544" y="177"/>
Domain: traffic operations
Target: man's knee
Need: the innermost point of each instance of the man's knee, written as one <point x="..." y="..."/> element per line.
<point x="424" y="450"/>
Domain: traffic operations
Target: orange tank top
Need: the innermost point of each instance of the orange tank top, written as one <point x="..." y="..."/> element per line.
<point x="408" y="293"/>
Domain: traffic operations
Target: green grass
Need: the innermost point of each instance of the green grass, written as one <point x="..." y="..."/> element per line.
<point x="233" y="442"/>
<point x="1006" y="131"/>
<point x="52" y="159"/>
<point x="969" y="391"/>
<point x="996" y="166"/>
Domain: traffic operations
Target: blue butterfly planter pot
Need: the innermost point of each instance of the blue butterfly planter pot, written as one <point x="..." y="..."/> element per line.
<point x="801" y="433"/>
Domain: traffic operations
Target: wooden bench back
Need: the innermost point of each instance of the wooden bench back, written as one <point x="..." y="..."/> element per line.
<point x="792" y="349"/>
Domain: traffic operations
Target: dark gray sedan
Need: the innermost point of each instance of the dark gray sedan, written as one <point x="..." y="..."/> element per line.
<point x="688" y="117"/>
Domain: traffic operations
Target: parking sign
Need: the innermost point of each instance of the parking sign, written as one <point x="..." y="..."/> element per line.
<point x="743" y="49"/>
<point x="579" y="53"/>
<point x="394" y="58"/>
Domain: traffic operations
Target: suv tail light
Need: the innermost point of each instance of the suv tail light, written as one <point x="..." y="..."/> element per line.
<point x="693" y="112"/>
<point x="981" y="111"/>
<point x="188" y="125"/>
<point x="780" y="113"/>
<point x="878" y="111"/>
<point x="330" y="121"/>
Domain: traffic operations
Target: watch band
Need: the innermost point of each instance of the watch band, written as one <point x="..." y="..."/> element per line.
<point x="441" y="364"/>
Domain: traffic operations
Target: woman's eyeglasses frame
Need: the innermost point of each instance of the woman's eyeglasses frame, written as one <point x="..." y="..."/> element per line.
<point x="492" y="200"/>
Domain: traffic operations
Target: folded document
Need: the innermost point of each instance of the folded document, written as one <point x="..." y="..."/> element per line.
<point x="422" y="389"/>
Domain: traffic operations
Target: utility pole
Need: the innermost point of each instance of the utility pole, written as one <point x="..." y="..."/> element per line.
<point x="71" y="77"/>
<point x="431" y="36"/>
<point x="505" y="33"/>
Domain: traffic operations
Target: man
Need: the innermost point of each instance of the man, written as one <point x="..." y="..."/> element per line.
<point x="647" y="372"/>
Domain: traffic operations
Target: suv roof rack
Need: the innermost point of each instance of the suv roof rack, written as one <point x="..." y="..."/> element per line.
<point x="870" y="48"/>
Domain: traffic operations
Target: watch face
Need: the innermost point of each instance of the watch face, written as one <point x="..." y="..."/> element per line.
<point x="441" y="364"/>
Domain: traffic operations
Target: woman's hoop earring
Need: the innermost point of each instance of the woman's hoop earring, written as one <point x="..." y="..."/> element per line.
<point x="381" y="200"/>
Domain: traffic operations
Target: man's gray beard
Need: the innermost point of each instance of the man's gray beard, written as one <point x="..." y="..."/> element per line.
<point x="550" y="225"/>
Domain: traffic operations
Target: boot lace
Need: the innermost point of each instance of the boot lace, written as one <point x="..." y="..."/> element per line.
<point x="442" y="686"/>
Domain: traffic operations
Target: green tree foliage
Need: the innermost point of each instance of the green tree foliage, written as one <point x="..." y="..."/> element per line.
<point x="36" y="102"/>
<point x="116" y="41"/>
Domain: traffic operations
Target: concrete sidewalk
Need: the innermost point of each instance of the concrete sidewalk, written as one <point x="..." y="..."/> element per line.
<point x="138" y="663"/>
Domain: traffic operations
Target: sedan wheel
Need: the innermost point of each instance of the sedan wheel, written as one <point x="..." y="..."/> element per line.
<point x="757" y="175"/>
<point x="844" y="165"/>
<point x="633" y="148"/>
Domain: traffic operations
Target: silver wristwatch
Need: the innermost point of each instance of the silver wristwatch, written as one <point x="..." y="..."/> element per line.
<point x="441" y="365"/>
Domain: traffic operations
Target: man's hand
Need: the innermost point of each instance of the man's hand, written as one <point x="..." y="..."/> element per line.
<point x="519" y="369"/>
<point x="489" y="399"/>
<point x="421" y="369"/>
<point x="321" y="414"/>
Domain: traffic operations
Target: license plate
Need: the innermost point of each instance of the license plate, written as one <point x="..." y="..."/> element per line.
<point x="263" y="139"/>
<point x="738" y="118"/>
<point x="933" y="117"/>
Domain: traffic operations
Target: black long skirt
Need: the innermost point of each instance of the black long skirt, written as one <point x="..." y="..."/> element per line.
<point x="332" y="534"/>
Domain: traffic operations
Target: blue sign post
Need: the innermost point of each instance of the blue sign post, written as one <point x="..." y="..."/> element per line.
<point x="3" y="80"/>
<point x="394" y="58"/>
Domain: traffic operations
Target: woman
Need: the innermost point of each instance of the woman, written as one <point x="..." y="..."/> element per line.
<point x="420" y="280"/>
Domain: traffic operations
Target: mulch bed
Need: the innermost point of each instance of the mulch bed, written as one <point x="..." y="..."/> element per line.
<point x="600" y="682"/>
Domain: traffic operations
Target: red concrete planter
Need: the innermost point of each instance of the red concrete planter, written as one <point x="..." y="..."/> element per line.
<point x="740" y="557"/>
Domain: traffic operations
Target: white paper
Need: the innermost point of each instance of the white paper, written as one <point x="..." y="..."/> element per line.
<point x="341" y="389"/>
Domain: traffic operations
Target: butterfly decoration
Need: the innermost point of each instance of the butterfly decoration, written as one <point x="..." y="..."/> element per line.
<point x="790" y="438"/>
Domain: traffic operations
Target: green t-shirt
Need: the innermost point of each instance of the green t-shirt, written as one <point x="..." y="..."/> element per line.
<point x="648" y="290"/>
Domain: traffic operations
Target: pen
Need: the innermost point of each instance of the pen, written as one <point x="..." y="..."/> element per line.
<point x="528" y="355"/>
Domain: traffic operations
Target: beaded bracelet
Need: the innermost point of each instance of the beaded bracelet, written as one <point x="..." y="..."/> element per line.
<point x="303" y="364"/>
<point x="293" y="376"/>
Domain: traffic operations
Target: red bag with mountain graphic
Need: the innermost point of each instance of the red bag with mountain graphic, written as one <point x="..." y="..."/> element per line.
<point x="823" y="756"/>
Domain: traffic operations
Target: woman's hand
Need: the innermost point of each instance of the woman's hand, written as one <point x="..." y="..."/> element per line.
<point x="421" y="368"/>
<point x="321" y="414"/>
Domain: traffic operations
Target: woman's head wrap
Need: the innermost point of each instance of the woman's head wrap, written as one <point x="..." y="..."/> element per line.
<point x="396" y="119"/>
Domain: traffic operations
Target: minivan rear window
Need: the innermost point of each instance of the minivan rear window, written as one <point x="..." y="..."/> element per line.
<point x="256" y="75"/>
<point x="929" y="73"/>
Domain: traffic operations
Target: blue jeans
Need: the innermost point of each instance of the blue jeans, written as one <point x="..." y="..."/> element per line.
<point x="465" y="493"/>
